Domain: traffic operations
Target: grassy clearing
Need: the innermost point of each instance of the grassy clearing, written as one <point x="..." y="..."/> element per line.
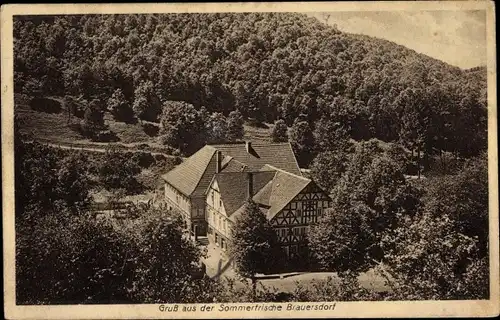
<point x="54" y="128"/>
<point x="368" y="280"/>
<point x="49" y="126"/>
<point x="257" y="134"/>
<point x="128" y="133"/>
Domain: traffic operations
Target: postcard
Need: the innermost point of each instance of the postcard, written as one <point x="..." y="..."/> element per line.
<point x="250" y="160"/>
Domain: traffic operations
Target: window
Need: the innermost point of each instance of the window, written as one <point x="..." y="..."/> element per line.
<point x="287" y="250"/>
<point x="284" y="232"/>
<point x="212" y="196"/>
<point x="220" y="203"/>
<point x="299" y="212"/>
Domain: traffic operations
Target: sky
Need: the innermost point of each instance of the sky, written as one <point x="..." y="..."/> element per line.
<point x="455" y="37"/>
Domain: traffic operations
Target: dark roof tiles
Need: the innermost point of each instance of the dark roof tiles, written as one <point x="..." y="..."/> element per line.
<point x="187" y="175"/>
<point x="233" y="187"/>
<point x="280" y="155"/>
<point x="193" y="176"/>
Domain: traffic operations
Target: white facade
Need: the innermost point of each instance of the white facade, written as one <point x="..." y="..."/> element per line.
<point x="218" y="222"/>
<point x="177" y="200"/>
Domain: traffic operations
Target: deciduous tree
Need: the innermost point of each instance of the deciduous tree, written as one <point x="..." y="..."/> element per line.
<point x="119" y="107"/>
<point x="279" y="133"/>
<point x="254" y="245"/>
<point x="302" y="140"/>
<point x="181" y="126"/>
<point x="235" y="130"/>
<point x="368" y="201"/>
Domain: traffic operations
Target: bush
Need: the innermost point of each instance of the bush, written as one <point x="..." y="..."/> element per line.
<point x="76" y="127"/>
<point x="144" y="159"/>
<point x="151" y="129"/>
<point x="75" y="106"/>
<point x="81" y="260"/>
<point x="119" y="170"/>
<point x="45" y="105"/>
<point x="159" y="157"/>
<point x="104" y="136"/>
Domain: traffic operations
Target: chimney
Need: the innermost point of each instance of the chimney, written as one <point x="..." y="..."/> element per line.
<point x="250" y="185"/>
<point x="218" y="161"/>
<point x="248" y="146"/>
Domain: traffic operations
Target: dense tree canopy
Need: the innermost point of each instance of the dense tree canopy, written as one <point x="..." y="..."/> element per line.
<point x="369" y="199"/>
<point x="442" y="253"/>
<point x="266" y="65"/>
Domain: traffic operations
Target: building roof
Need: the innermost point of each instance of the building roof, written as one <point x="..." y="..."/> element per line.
<point x="233" y="187"/>
<point x="186" y="176"/>
<point x="193" y="176"/>
<point x="273" y="190"/>
<point x="241" y="209"/>
<point x="280" y="155"/>
<point x="278" y="192"/>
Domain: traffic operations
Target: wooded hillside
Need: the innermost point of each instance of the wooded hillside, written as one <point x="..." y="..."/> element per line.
<point x="266" y="65"/>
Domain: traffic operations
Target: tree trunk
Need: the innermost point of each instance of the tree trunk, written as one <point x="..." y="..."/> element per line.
<point x="418" y="160"/>
<point x="443" y="160"/>
<point x="426" y="161"/>
<point x="412" y="154"/>
<point x="254" y="288"/>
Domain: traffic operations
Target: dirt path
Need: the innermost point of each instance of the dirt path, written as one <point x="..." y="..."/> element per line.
<point x="102" y="149"/>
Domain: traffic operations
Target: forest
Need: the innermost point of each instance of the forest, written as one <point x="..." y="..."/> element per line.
<point x="265" y="66"/>
<point x="397" y="138"/>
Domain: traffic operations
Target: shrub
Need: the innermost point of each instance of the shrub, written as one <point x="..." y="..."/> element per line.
<point x="104" y="136"/>
<point x="144" y="159"/>
<point x="151" y="129"/>
<point x="45" y="105"/>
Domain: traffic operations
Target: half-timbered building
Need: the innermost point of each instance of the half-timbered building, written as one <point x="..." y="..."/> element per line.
<point x="186" y="184"/>
<point x="290" y="202"/>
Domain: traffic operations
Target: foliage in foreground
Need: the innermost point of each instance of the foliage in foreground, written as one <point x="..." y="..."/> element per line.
<point x="436" y="249"/>
<point x="427" y="247"/>
<point x="254" y="245"/>
<point x="79" y="259"/>
<point x="75" y="257"/>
